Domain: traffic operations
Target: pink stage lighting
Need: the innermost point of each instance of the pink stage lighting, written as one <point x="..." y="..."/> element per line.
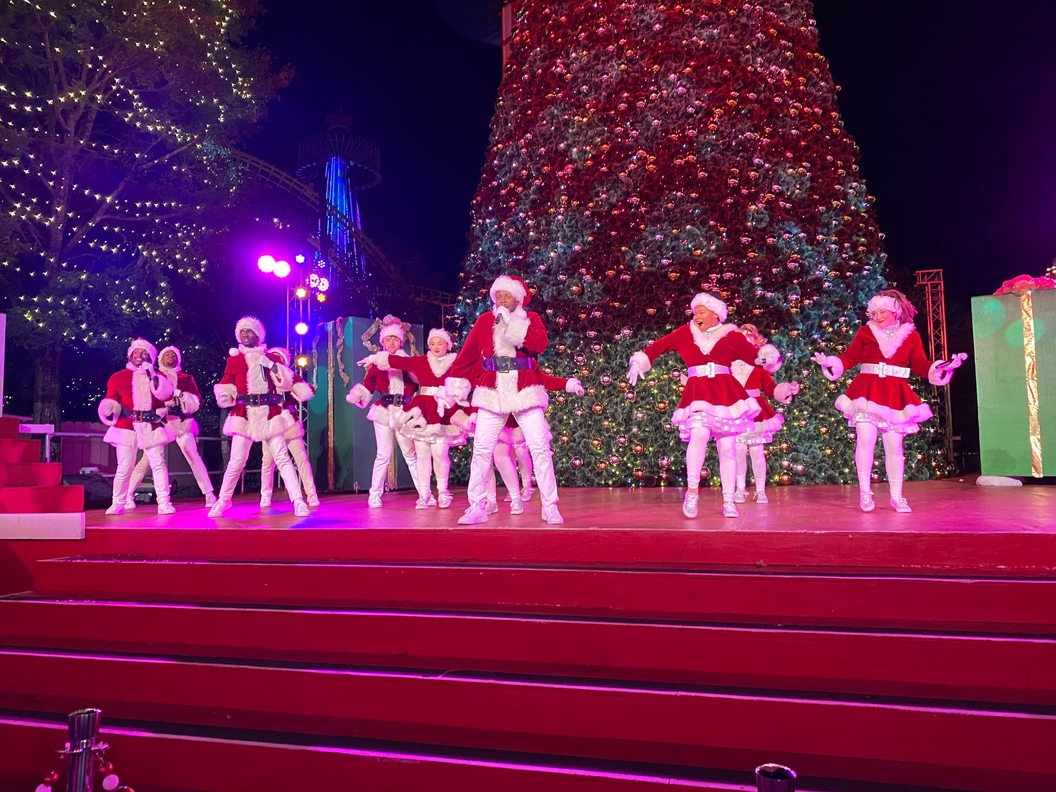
<point x="300" y="328"/>
<point x="282" y="269"/>
<point x="266" y="263"/>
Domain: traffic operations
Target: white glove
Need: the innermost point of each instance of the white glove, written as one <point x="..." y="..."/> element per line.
<point x="367" y="361"/>
<point x="634" y="373"/>
<point x="147" y="368"/>
<point x="575" y="386"/>
<point x="831" y="366"/>
<point x="444" y="401"/>
<point x="503" y="313"/>
<point x="784" y="391"/>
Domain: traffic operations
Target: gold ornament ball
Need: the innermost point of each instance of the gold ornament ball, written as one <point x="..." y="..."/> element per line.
<point x="661" y="406"/>
<point x="785" y="478"/>
<point x="596" y="442"/>
<point x="665" y="462"/>
<point x="638" y="448"/>
<point x="563" y="438"/>
<point x="603" y="465"/>
<point x="827" y="451"/>
<point x="598" y="408"/>
<point x="823" y="430"/>
<point x="784" y="445"/>
<point x="639" y="474"/>
<point x="560" y="398"/>
<point x="623" y="385"/>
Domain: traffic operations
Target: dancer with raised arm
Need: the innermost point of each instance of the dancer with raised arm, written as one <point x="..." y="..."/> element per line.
<point x="713" y="402"/>
<point x="879" y="400"/>
<point x="299" y="393"/>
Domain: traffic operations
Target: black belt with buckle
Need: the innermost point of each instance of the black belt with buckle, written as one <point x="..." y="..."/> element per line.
<point x="142" y="416"/>
<point x="395" y="398"/>
<point x="260" y="399"/>
<point x="500" y="363"/>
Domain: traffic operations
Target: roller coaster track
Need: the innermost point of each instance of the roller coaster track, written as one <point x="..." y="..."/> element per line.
<point x="389" y="282"/>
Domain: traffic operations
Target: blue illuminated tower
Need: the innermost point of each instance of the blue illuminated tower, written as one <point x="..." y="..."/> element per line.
<point x="347" y="165"/>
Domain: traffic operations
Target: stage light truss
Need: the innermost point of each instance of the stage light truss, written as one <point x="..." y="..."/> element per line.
<point x="931" y="285"/>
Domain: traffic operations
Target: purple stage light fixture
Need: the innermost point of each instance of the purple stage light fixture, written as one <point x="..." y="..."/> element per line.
<point x="299" y="258"/>
<point x="300" y="328"/>
<point x="313" y="280"/>
<point x="282" y="269"/>
<point x="324" y="284"/>
<point x="301" y="292"/>
<point x="320" y="297"/>
<point x="266" y="263"/>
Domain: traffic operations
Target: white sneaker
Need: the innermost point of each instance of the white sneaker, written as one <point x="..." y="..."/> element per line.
<point x="729" y="509"/>
<point x="421" y="503"/>
<point x="431" y="501"/>
<point x="865" y="501"/>
<point x="130" y="504"/>
<point x="507" y="498"/>
<point x="374" y="501"/>
<point x="760" y="497"/>
<point x="900" y="505"/>
<point x="116" y="509"/>
<point x="474" y="515"/>
<point x="527" y="493"/>
<point x="265" y="502"/>
<point x="445" y="500"/>
<point x="166" y="508"/>
<point x="313" y="501"/>
<point x="493" y="507"/>
<point x="219" y="508"/>
<point x="689" y="505"/>
<point x="516" y="506"/>
<point x="552" y="515"/>
<point x="210" y="500"/>
<point x="740" y="496"/>
<point x="300" y="508"/>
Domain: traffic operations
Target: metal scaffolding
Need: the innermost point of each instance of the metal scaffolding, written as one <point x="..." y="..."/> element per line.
<point x="930" y="283"/>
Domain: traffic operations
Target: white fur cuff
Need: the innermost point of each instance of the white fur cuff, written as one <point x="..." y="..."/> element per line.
<point x="282" y="377"/>
<point x="161" y="388"/>
<point x="225" y="395"/>
<point x="457" y="389"/>
<point x="190" y="403"/>
<point x="517" y="328"/>
<point x="381" y="360"/>
<point x="109" y="411"/>
<point x="359" y="395"/>
<point x="302" y="391"/>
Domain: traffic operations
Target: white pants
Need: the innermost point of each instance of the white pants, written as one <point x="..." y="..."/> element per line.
<point x="383" y="439"/>
<point x="300" y="460"/>
<point x="240" y="447"/>
<point x="508" y="471"/>
<point x="536" y="433"/>
<point x="894" y="460"/>
<point x="155" y="456"/>
<point x="758" y="454"/>
<point x="695" y="454"/>
<point x="188" y="444"/>
<point x="432" y="458"/>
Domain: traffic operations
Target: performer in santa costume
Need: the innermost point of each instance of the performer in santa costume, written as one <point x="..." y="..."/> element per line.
<point x="879" y="399"/>
<point x="253" y="386"/>
<point x="499" y="359"/>
<point x="300" y="392"/>
<point x="396" y="391"/>
<point x="134" y="409"/>
<point x="422" y="419"/>
<point x="758" y="382"/>
<point x="186" y="400"/>
<point x="713" y="401"/>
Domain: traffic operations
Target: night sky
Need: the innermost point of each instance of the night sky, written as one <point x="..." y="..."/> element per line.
<point x="952" y="102"/>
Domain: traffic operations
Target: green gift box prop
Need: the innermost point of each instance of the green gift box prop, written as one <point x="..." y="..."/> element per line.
<point x="341" y="443"/>
<point x="1015" y="359"/>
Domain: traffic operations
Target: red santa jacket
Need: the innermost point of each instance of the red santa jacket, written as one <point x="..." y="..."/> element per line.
<point x="522" y="336"/>
<point x="300" y="392"/>
<point x="133" y="388"/>
<point x="429" y="371"/>
<point x="254" y="370"/>
<point x="390" y="383"/>
<point x="186" y="394"/>
<point x="903" y="349"/>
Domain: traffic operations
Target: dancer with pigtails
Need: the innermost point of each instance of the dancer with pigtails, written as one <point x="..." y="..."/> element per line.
<point x="758" y="382"/>
<point x="713" y="402"/>
<point x="879" y="401"/>
<point x="422" y="419"/>
<point x="396" y="391"/>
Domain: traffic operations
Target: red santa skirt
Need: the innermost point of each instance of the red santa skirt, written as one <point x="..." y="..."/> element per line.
<point x="767" y="423"/>
<point x="887" y="402"/>
<point x="717" y="404"/>
<point x="421" y="421"/>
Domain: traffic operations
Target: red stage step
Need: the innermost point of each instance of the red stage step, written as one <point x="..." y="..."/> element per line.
<point x="14" y="451"/>
<point x="988" y="605"/>
<point x="865" y="741"/>
<point x="42" y="500"/>
<point x="31" y="474"/>
<point x="954" y="668"/>
<point x="9" y="427"/>
<point x="153" y="761"/>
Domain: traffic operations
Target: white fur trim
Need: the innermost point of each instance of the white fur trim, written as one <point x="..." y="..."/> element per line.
<point x="160" y="386"/>
<point x="391" y="329"/>
<point x="397" y="387"/>
<point x="706" y="341"/>
<point x="381" y="360"/>
<point x="257" y="426"/>
<point x="457" y="389"/>
<point x="997" y="481"/>
<point x="439" y="332"/>
<point x="507" y="284"/>
<point x="712" y="303"/>
<point x="254" y="324"/>
<point x="517" y="328"/>
<point x="643" y="362"/>
<point x="282" y="352"/>
<point x="904" y="421"/>
<point x="440" y="365"/>
<point x="225" y="394"/>
<point x="881" y="303"/>
<point x="283" y="377"/>
<point x="383" y="414"/>
<point x="720" y="419"/>
<point x="116" y="436"/>
<point x="359" y="395"/>
<point x="506" y="399"/>
<point x="109" y="410"/>
<point x="302" y="391"/>
<point x="142" y="343"/>
<point x="295" y="432"/>
<point x="190" y="403"/>
<point x="889" y="346"/>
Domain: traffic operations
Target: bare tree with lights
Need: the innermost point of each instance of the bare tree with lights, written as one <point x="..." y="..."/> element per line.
<point x="114" y="121"/>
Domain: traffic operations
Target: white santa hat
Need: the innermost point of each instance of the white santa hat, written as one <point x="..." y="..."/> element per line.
<point x="391" y="326"/>
<point x="283" y="353"/>
<point x="883" y="303"/>
<point x="439" y="332"/>
<point x="512" y="284"/>
<point x="176" y="352"/>
<point x="252" y="323"/>
<point x="144" y="344"/>
<point x="712" y="302"/>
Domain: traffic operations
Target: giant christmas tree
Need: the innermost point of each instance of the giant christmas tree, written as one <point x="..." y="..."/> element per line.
<point x="642" y="151"/>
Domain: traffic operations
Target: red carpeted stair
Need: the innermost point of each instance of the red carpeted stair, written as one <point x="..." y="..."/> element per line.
<point x="33" y="501"/>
